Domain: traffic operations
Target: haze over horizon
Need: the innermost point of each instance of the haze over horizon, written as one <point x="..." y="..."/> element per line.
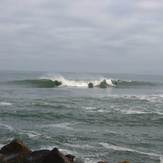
<point x="82" y="36"/>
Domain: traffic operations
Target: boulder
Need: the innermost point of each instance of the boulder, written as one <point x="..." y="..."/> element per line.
<point x="55" y="156"/>
<point x="57" y="83"/>
<point x="90" y="85"/>
<point x="14" y="152"/>
<point x="2" y="158"/>
<point x="103" y="84"/>
<point x="115" y="82"/>
<point x="36" y="156"/>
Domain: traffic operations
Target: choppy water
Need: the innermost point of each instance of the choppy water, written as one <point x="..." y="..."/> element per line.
<point x="121" y="122"/>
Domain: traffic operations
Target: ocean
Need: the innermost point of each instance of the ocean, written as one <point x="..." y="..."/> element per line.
<point x="121" y="122"/>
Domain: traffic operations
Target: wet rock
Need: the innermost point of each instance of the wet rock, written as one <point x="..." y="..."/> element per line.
<point x="103" y="84"/>
<point x="14" y="152"/>
<point x="90" y="85"/>
<point x="125" y="161"/>
<point x="36" y="156"/>
<point x="2" y="158"/>
<point x="70" y="158"/>
<point x="55" y="156"/>
<point x="57" y="83"/>
<point x="15" y="146"/>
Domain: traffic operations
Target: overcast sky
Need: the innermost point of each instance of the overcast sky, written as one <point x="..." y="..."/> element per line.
<point x="82" y="35"/>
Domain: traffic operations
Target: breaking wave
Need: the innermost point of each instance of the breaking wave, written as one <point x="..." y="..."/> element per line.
<point x="60" y="81"/>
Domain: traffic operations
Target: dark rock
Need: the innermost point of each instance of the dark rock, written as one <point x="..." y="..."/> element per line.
<point x="15" y="146"/>
<point x="57" y="83"/>
<point x="126" y="161"/>
<point x="70" y="158"/>
<point x="36" y="156"/>
<point x="2" y="158"/>
<point x="55" y="156"/>
<point x="90" y="85"/>
<point x="103" y="84"/>
<point x="14" y="152"/>
<point x="115" y="82"/>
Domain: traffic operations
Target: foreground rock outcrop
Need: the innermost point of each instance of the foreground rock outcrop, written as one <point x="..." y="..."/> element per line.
<point x="36" y="156"/>
<point x="14" y="152"/>
<point x="17" y="152"/>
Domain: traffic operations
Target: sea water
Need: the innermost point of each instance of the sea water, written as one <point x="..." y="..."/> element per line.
<point x="121" y="122"/>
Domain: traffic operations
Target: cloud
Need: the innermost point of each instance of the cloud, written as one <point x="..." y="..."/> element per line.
<point x="77" y="31"/>
<point x="150" y="4"/>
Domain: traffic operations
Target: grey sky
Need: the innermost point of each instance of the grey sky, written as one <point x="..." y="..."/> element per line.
<point x="82" y="35"/>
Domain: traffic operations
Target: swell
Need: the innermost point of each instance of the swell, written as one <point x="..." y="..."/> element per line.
<point x="132" y="83"/>
<point x="53" y="82"/>
<point x="37" y="83"/>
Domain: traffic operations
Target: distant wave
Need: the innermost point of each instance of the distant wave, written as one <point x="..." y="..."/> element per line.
<point x="60" y="81"/>
<point x="78" y="83"/>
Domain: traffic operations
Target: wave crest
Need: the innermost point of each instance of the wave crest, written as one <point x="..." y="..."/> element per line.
<point x="78" y="83"/>
<point x="61" y="81"/>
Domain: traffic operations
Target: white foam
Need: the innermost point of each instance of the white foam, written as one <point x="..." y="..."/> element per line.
<point x="67" y="151"/>
<point x="32" y="134"/>
<point x="119" y="148"/>
<point x="59" y="125"/>
<point x="80" y="146"/>
<point x="133" y="112"/>
<point x="10" y="128"/>
<point x="161" y="159"/>
<point x="88" y="160"/>
<point x="5" y="104"/>
<point x="150" y="98"/>
<point x="89" y="107"/>
<point x="103" y="111"/>
<point x="48" y="147"/>
<point x="159" y="113"/>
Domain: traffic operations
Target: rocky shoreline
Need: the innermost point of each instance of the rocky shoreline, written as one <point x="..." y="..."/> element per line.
<point x="17" y="152"/>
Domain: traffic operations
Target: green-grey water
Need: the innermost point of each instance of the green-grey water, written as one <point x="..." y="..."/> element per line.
<point x="121" y="122"/>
